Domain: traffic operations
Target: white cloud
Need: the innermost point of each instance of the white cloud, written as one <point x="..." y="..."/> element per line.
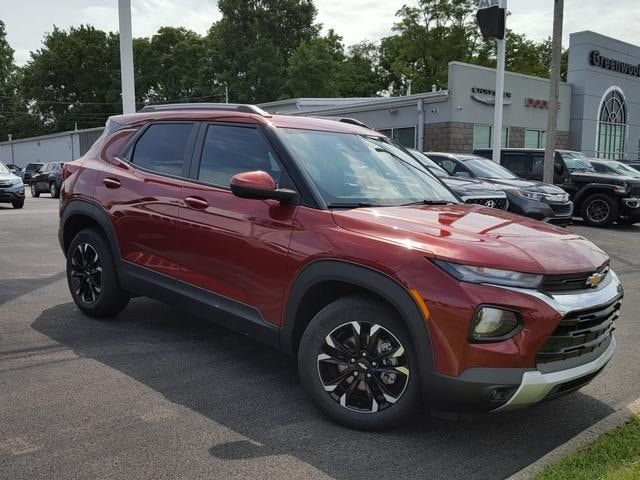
<point x="355" y="20"/>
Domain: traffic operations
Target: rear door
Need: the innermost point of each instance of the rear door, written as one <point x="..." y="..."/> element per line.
<point x="232" y="246"/>
<point x="141" y="190"/>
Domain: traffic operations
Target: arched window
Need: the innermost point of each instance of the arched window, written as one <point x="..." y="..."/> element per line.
<point x="612" y="127"/>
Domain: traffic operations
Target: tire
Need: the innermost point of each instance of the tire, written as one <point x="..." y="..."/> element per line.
<point x="386" y="392"/>
<point x="18" y="203"/>
<point x="35" y="193"/>
<point x="92" y="276"/>
<point x="600" y="210"/>
<point x="54" y="190"/>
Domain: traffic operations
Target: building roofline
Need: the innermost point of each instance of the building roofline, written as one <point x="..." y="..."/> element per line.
<point x="591" y="32"/>
<point x="51" y="135"/>
<point x="513" y="74"/>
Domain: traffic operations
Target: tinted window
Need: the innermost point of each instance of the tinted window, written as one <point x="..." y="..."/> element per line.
<point x="231" y="150"/>
<point x="517" y="163"/>
<point x="600" y="168"/>
<point x="162" y="148"/>
<point x="537" y="166"/>
<point x="447" y="164"/>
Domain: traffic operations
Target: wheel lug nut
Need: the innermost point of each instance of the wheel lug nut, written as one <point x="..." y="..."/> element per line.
<point x="353" y="360"/>
<point x="368" y="375"/>
<point x="374" y="364"/>
<point x="364" y="354"/>
<point x="355" y="374"/>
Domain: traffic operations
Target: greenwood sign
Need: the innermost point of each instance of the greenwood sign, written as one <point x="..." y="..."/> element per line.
<point x="491" y="18"/>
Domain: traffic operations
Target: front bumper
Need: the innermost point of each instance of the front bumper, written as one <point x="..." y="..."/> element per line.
<point x="558" y="214"/>
<point x="503" y="389"/>
<point x="12" y="194"/>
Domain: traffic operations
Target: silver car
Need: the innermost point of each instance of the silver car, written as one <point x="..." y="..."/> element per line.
<point x="11" y="188"/>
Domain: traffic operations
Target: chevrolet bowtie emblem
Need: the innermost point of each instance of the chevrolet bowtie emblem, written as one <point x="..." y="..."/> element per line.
<point x="594" y="280"/>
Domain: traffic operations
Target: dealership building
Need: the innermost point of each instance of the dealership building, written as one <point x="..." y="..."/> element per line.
<point x="599" y="106"/>
<point x="599" y="110"/>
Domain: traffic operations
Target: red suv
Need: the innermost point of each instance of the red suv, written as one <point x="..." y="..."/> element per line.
<point x="329" y="242"/>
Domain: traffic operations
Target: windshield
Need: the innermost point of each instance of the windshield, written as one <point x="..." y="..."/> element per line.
<point x="3" y="170"/>
<point x="623" y="169"/>
<point x="485" y="168"/>
<point x="577" y="161"/>
<point x="433" y="167"/>
<point x="352" y="170"/>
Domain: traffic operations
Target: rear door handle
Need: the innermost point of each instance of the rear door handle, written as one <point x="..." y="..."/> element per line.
<point x="111" y="183"/>
<point x="196" y="202"/>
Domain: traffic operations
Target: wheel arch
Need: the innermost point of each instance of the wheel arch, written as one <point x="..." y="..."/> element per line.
<point x="592" y="189"/>
<point x="80" y="214"/>
<point x="324" y="281"/>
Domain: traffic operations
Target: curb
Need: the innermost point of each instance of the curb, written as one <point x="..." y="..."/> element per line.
<point x="584" y="438"/>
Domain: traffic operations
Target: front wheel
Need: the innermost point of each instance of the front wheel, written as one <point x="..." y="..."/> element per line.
<point x="35" y="193"/>
<point x="92" y="276"/>
<point x="18" y="203"/>
<point x="357" y="363"/>
<point x="600" y="210"/>
<point x="53" y="190"/>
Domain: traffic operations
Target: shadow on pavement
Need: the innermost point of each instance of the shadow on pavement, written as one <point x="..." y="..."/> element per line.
<point x="13" y="288"/>
<point x="254" y="391"/>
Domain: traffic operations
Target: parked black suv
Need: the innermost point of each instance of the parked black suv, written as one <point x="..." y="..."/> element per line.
<point x="600" y="199"/>
<point x="30" y="170"/>
<point x="47" y="180"/>
<point x="537" y="200"/>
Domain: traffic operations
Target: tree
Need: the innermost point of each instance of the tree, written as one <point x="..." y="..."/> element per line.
<point x="360" y="75"/>
<point x="249" y="48"/>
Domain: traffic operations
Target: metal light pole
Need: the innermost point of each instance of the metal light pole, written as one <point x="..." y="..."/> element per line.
<point x="226" y="92"/>
<point x="500" y="68"/>
<point x="126" y="57"/>
<point x="554" y="92"/>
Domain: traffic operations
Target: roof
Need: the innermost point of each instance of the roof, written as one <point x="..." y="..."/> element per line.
<point x="233" y="115"/>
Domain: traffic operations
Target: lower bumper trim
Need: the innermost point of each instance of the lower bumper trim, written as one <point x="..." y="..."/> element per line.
<point x="536" y="386"/>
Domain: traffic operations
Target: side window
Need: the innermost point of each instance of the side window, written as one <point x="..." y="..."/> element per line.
<point x="162" y="148"/>
<point x="230" y="150"/>
<point x="517" y="163"/>
<point x="447" y="164"/>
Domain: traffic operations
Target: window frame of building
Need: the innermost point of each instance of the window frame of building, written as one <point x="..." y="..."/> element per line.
<point x="392" y="133"/>
<point x="477" y="145"/>
<point x="613" y="125"/>
<point x="540" y="141"/>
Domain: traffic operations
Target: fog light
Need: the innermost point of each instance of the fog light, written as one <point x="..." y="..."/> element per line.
<point x="494" y="324"/>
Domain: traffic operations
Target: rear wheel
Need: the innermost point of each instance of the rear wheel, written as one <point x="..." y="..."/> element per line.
<point x="53" y="190"/>
<point x="35" y="193"/>
<point x="92" y="276"/>
<point x="358" y="365"/>
<point x="600" y="210"/>
<point x="18" y="203"/>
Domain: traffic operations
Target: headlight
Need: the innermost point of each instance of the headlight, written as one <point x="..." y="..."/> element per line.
<point x="16" y="181"/>
<point x="538" y="197"/>
<point x="472" y="274"/>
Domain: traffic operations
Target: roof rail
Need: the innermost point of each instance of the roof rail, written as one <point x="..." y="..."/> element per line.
<point x="350" y="121"/>
<point x="236" y="107"/>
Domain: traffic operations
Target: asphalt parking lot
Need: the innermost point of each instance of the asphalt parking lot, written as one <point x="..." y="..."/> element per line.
<point x="157" y="394"/>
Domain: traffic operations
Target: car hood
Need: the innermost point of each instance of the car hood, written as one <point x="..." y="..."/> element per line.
<point x="7" y="176"/>
<point x="528" y="185"/>
<point x="596" y="177"/>
<point x="476" y="235"/>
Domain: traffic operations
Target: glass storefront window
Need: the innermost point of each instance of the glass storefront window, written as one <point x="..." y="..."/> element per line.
<point x="404" y="136"/>
<point x="612" y="126"/>
<point x="535" y="139"/>
<point x="483" y="136"/>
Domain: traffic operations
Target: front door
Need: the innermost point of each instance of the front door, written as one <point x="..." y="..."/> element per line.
<point x="231" y="246"/>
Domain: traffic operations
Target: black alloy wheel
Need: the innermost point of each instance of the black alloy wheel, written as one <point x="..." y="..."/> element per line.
<point x="34" y="190"/>
<point x="53" y="190"/>
<point x="86" y="273"/>
<point x="363" y="367"/>
<point x="600" y="210"/>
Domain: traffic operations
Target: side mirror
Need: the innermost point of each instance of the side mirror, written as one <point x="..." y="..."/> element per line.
<point x="259" y="185"/>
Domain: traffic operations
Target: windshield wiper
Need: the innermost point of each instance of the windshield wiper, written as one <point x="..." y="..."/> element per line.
<point x="351" y="205"/>
<point x="428" y="202"/>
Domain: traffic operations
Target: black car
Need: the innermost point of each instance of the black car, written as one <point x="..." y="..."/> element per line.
<point x="30" y="170"/>
<point x="600" y="198"/>
<point x="533" y="199"/>
<point x="47" y="180"/>
<point x="470" y="190"/>
<point x="613" y="167"/>
<point x="635" y="165"/>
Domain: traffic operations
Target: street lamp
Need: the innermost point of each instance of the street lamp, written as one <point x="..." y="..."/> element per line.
<point x="126" y="57"/>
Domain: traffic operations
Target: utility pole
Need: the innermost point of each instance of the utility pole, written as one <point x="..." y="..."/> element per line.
<point x="554" y="92"/>
<point x="226" y="92"/>
<point x="497" y="118"/>
<point x="126" y="57"/>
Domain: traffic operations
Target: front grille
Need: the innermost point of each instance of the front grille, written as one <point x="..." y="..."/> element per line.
<point x="571" y="386"/>
<point x="5" y="184"/>
<point x="634" y="187"/>
<point x="499" y="202"/>
<point x="562" y="209"/>
<point x="580" y="333"/>
<point x="572" y="281"/>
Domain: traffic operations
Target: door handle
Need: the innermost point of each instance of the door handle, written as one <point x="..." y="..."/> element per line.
<point x="111" y="183"/>
<point x="196" y="202"/>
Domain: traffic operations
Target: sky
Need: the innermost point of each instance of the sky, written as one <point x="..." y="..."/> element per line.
<point x="356" y="20"/>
